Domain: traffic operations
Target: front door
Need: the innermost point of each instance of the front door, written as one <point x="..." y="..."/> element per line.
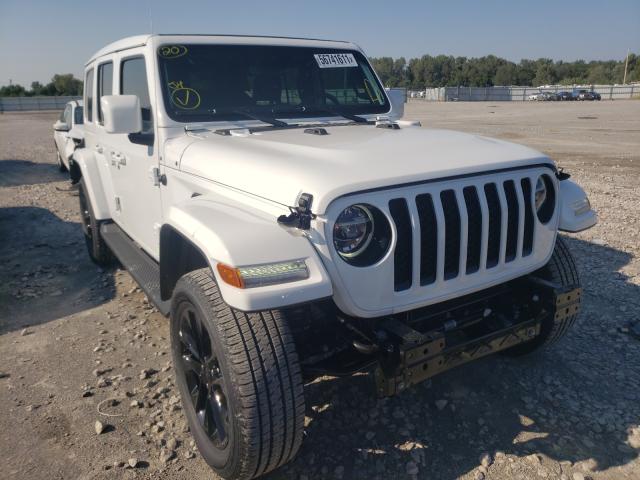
<point x="139" y="211"/>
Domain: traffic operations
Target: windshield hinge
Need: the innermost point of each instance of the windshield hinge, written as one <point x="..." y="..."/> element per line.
<point x="300" y="216"/>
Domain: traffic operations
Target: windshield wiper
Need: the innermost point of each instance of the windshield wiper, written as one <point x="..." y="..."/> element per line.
<point x="331" y="111"/>
<point x="269" y="120"/>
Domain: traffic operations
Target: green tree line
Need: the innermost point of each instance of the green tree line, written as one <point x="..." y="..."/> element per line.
<point x="61" y="84"/>
<point x="442" y="70"/>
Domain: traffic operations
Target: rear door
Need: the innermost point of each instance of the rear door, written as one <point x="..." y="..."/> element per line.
<point x="95" y="137"/>
<point x="134" y="159"/>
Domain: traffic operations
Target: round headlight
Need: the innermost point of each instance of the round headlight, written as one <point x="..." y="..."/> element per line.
<point x="545" y="198"/>
<point x="541" y="193"/>
<point x="361" y="235"/>
<point x="353" y="231"/>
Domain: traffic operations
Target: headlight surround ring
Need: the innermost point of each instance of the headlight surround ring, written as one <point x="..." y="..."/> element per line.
<point x="544" y="198"/>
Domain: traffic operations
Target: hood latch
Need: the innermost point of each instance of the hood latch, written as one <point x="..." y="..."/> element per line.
<point x="300" y="216"/>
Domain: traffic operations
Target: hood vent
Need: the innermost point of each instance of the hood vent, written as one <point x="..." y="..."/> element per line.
<point x="316" y="131"/>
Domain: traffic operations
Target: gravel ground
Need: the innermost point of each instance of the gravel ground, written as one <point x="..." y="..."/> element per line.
<point x="79" y="345"/>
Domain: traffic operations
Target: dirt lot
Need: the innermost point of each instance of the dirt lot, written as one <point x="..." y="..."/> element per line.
<point x="78" y="344"/>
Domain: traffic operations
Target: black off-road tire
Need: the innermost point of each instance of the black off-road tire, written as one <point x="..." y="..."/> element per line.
<point x="562" y="270"/>
<point x="96" y="247"/>
<point x="258" y="368"/>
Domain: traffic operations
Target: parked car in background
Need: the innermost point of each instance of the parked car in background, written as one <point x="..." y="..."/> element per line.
<point x="534" y="96"/>
<point x="68" y="133"/>
<point x="547" y="97"/>
<point x="588" y="95"/>
<point x="566" y="96"/>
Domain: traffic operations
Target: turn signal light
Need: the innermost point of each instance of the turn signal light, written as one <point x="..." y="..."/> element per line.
<point x="251" y="276"/>
<point x="230" y="275"/>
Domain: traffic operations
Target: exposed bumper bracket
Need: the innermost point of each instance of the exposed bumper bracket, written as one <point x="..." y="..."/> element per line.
<point x="420" y="362"/>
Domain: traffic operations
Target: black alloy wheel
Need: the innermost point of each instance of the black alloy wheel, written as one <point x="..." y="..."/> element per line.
<point x="239" y="380"/>
<point x="203" y="376"/>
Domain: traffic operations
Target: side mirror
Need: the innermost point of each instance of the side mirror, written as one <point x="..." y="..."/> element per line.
<point x="60" y="126"/>
<point x="397" y="97"/>
<point x="121" y="113"/>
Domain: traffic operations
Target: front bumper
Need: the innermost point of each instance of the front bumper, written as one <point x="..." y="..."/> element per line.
<point x="421" y="344"/>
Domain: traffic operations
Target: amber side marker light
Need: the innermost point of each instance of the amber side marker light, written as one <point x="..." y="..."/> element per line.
<point x="230" y="275"/>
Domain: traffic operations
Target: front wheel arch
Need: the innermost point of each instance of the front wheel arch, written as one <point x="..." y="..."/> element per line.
<point x="178" y="256"/>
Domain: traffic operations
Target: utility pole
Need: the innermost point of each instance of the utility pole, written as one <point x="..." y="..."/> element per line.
<point x="626" y="64"/>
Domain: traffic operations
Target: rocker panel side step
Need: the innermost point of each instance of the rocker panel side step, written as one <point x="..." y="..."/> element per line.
<point x="144" y="269"/>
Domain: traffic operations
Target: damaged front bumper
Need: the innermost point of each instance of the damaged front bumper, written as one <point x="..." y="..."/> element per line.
<point x="418" y="345"/>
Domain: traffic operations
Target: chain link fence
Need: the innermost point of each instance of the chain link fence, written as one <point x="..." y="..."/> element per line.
<point x="26" y="104"/>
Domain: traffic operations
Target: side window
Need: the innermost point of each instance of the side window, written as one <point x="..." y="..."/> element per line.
<point x="105" y="86"/>
<point x="77" y="116"/>
<point x="63" y="113"/>
<point x="133" y="81"/>
<point x="88" y="95"/>
<point x="67" y="115"/>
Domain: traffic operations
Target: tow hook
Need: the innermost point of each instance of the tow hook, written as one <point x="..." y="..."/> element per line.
<point x="300" y="216"/>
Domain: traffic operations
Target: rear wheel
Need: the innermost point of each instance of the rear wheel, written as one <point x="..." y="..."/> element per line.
<point x="96" y="247"/>
<point x="562" y="270"/>
<point x="239" y="379"/>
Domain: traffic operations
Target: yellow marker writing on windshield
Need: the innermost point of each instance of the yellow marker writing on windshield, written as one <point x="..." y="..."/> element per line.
<point x="184" y="98"/>
<point x="172" y="51"/>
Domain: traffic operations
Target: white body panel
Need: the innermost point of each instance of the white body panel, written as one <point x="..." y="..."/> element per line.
<point x="224" y="193"/>
<point x="245" y="234"/>
<point x="349" y="159"/>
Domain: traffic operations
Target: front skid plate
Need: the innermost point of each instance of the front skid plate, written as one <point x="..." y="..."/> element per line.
<point x="435" y="358"/>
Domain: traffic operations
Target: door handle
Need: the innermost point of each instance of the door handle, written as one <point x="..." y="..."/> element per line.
<point x="99" y="148"/>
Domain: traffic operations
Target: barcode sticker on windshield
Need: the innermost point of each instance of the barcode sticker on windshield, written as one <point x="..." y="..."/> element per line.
<point x="335" y="60"/>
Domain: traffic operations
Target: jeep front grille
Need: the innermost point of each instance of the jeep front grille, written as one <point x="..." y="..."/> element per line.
<point x="462" y="230"/>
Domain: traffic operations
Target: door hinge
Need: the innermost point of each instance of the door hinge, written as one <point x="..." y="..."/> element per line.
<point x="158" y="178"/>
<point x="118" y="205"/>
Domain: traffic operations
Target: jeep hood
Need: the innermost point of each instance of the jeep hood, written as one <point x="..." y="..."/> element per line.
<point x="281" y="164"/>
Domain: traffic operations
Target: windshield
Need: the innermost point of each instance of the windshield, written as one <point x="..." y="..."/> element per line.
<point x="237" y="82"/>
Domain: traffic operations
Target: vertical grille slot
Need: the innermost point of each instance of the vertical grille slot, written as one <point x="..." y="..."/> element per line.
<point x="474" y="215"/>
<point x="428" y="239"/>
<point x="512" y="220"/>
<point x="452" y="234"/>
<point x="404" y="245"/>
<point x="527" y="242"/>
<point x="495" y="220"/>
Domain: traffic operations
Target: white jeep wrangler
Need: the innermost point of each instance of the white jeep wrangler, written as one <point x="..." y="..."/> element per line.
<point x="268" y="198"/>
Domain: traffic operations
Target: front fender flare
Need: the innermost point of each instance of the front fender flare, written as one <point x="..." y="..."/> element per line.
<point x="87" y="162"/>
<point x="237" y="236"/>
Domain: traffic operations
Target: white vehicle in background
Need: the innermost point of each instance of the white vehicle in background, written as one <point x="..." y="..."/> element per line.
<point x="534" y="96"/>
<point x="267" y="196"/>
<point x="68" y="134"/>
